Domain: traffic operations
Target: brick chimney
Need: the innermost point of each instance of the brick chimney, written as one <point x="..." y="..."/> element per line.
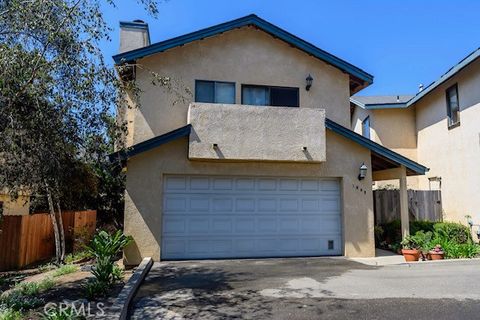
<point x="133" y="35"/>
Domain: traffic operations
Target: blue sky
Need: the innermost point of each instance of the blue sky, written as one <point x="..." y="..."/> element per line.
<point x="401" y="43"/>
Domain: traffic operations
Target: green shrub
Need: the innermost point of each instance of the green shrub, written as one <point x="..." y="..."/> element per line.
<point x="117" y="273"/>
<point x="105" y="247"/>
<point x="422" y="225"/>
<point x="95" y="288"/>
<point x="420" y="240"/>
<point x="10" y="314"/>
<point x="17" y="301"/>
<point x="455" y="232"/>
<point x="34" y="288"/>
<point x="65" y="269"/>
<point x="392" y="231"/>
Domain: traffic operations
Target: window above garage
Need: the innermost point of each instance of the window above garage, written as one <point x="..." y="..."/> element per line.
<point x="214" y="91"/>
<point x="270" y="96"/>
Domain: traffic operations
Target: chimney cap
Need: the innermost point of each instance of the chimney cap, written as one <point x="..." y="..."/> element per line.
<point x="139" y="21"/>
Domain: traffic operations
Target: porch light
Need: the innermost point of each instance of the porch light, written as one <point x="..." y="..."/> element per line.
<point x="309" y="82"/>
<point x="470" y="221"/>
<point x="363" y="172"/>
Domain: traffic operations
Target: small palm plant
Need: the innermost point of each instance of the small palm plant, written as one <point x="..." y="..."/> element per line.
<point x="105" y="247"/>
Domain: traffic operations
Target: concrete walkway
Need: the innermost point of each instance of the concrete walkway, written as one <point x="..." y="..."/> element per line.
<point x="382" y="258"/>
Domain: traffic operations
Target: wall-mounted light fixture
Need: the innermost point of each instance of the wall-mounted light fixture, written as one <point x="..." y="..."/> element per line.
<point x="309" y="80"/>
<point x="304" y="148"/>
<point x="215" y="146"/>
<point x="363" y="172"/>
<point x="469" y="221"/>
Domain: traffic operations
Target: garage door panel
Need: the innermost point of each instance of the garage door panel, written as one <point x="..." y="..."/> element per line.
<point x="174" y="226"/>
<point x="290" y="205"/>
<point x="245" y="205"/>
<point x="175" y="204"/>
<point x="199" y="205"/>
<point x="176" y="183"/>
<point x="228" y="217"/>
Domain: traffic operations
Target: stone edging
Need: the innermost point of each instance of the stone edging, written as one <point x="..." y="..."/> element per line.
<point x="121" y="306"/>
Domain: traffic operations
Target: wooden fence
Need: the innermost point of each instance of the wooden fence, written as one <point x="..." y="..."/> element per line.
<point x="422" y="205"/>
<point x="27" y="239"/>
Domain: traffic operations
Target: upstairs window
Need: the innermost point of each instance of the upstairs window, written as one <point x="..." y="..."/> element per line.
<point x="270" y="96"/>
<point x="366" y="127"/>
<point x="453" y="107"/>
<point x="214" y="91"/>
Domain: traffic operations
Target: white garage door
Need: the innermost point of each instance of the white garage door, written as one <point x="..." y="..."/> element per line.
<point x="234" y="217"/>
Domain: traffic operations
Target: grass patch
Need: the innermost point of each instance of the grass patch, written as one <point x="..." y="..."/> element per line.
<point x="10" y="314"/>
<point x="77" y="256"/>
<point x="65" y="269"/>
<point x="46" y="267"/>
<point x="34" y="288"/>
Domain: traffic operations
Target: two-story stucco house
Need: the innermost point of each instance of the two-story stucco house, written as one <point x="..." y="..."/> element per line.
<point x="259" y="161"/>
<point x="438" y="127"/>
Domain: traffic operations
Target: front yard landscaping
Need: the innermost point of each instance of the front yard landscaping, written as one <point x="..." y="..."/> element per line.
<point x="70" y="291"/>
<point x="433" y="240"/>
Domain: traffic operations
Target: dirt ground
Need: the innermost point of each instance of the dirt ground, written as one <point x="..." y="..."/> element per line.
<point x="67" y="287"/>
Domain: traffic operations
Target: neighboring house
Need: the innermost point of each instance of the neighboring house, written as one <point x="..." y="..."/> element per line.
<point x="438" y="127"/>
<point x="9" y="206"/>
<point x="260" y="160"/>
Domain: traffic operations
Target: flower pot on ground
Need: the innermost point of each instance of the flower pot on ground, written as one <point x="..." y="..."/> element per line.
<point x="411" y="255"/>
<point x="437" y="253"/>
<point x="414" y="246"/>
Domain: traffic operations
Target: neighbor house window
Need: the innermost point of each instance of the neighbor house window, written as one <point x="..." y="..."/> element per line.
<point x="453" y="107"/>
<point x="270" y="96"/>
<point x="214" y="91"/>
<point x="366" y="127"/>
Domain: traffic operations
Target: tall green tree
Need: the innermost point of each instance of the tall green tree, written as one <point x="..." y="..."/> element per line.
<point x="57" y="98"/>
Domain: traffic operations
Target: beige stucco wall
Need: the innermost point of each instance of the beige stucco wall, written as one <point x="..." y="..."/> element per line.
<point x="394" y="129"/>
<point x="144" y="196"/>
<point x="243" y="56"/>
<point x="19" y="206"/>
<point x="256" y="133"/>
<point x="453" y="155"/>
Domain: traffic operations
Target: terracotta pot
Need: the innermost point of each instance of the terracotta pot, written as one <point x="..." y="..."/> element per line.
<point x="436" y="255"/>
<point x="411" y="254"/>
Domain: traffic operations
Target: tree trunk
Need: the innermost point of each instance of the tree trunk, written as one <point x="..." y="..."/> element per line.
<point x="56" y="231"/>
<point x="57" y="222"/>
<point x="62" y="233"/>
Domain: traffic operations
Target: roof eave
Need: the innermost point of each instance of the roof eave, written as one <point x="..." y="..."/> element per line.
<point x="242" y="22"/>
<point x="445" y="77"/>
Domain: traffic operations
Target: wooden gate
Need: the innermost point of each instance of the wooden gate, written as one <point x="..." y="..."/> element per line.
<point x="422" y="205"/>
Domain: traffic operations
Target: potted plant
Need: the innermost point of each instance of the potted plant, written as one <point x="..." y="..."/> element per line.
<point x="436" y="253"/>
<point x="410" y="249"/>
<point x="423" y="241"/>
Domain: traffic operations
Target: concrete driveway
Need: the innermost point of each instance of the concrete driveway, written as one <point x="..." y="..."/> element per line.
<point x="308" y="288"/>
